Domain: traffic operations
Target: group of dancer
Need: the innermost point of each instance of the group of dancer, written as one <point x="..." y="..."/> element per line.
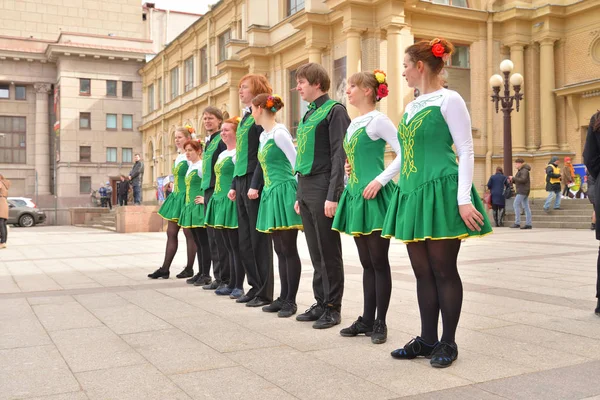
<point x="252" y="189"/>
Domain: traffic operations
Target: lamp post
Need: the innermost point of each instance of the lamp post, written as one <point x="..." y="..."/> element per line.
<point x="507" y="101"/>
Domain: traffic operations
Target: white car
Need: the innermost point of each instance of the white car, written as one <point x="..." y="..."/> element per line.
<point x="23" y="202"/>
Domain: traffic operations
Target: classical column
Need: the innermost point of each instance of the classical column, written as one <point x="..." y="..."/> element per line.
<point x="394" y="73"/>
<point x="352" y="60"/>
<point x="518" y="118"/>
<point x="42" y="137"/>
<point x="547" y="99"/>
<point x="314" y="55"/>
<point x="234" y="102"/>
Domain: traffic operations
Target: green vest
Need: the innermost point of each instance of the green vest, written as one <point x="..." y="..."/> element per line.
<point x="306" y="137"/>
<point x="223" y="176"/>
<point x="365" y="157"/>
<point x="179" y="172"/>
<point x="241" y="147"/>
<point x="275" y="165"/>
<point x="207" y="161"/>
<point x="193" y="183"/>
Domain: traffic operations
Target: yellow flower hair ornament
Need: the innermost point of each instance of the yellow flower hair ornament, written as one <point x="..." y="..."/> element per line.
<point x="190" y="129"/>
<point x="380" y="76"/>
<point x="238" y="119"/>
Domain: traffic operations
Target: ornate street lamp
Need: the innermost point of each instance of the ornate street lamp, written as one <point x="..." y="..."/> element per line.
<point x="507" y="101"/>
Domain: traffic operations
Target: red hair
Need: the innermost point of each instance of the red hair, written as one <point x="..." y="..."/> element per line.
<point x="194" y="144"/>
<point x="258" y="83"/>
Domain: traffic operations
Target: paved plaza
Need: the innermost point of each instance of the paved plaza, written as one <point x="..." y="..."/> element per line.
<point x="80" y="320"/>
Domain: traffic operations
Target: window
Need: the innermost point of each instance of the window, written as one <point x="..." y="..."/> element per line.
<point x="111" y="88"/>
<point x="84" y="87"/>
<point x="127" y="155"/>
<point x="223" y="40"/>
<point x="127" y="89"/>
<point x="203" y="66"/>
<point x="456" y="3"/>
<point x="20" y="92"/>
<point x="460" y="58"/>
<point x="174" y="82"/>
<point x="85" y="184"/>
<point x="4" y="91"/>
<point x="85" y="121"/>
<point x="458" y="73"/>
<point x="160" y="93"/>
<point x="111" y="154"/>
<point x="13" y="143"/>
<point x="293" y="6"/>
<point x="85" y="153"/>
<point x="111" y="122"/>
<point x="150" y="98"/>
<point x="189" y="74"/>
<point x="339" y="80"/>
<point x="298" y="107"/>
<point x="127" y="122"/>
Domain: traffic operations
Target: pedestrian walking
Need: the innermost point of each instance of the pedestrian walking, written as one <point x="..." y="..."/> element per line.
<point x="498" y="184"/>
<point x="103" y="196"/>
<point x="4" y="186"/>
<point x="567" y="177"/>
<point x="553" y="177"/>
<point x="109" y="191"/>
<point x="522" y="181"/>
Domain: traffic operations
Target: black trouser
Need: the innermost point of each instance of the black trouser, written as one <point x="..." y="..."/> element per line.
<point x="324" y="244"/>
<point x="218" y="252"/>
<point x="236" y="270"/>
<point x="597" y="275"/>
<point x="109" y="203"/>
<point x="3" y="230"/>
<point x="203" y="250"/>
<point x="565" y="191"/>
<point x="122" y="200"/>
<point x="256" y="248"/>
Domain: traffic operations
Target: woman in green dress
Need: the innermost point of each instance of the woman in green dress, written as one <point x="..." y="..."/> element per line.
<point x="171" y="211"/>
<point x="221" y="211"/>
<point x="436" y="204"/>
<point x="192" y="215"/>
<point x="276" y="214"/>
<point x="366" y="198"/>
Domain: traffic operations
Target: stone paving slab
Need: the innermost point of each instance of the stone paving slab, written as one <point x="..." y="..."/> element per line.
<point x="80" y="320"/>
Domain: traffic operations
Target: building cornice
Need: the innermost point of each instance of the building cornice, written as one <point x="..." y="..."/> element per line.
<point x="581" y="88"/>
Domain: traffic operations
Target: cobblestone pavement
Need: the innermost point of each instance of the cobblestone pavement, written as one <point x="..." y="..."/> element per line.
<point x="80" y="320"/>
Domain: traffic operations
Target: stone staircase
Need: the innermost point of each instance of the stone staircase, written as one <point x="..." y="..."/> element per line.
<point x="106" y="221"/>
<point x="574" y="214"/>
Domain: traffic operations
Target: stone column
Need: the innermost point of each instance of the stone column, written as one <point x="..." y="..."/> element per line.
<point x="547" y="99"/>
<point x="234" y="101"/>
<point x="42" y="137"/>
<point x="518" y="118"/>
<point x="352" y="60"/>
<point x="394" y="73"/>
<point x="314" y="55"/>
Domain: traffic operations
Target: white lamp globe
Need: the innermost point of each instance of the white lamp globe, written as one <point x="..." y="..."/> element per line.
<point x="516" y="79"/>
<point x="496" y="81"/>
<point x="506" y="66"/>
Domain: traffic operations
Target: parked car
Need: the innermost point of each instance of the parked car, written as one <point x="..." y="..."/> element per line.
<point x="23" y="201"/>
<point x="20" y="215"/>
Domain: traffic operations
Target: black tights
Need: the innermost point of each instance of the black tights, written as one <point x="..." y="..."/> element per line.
<point x="172" y="243"/>
<point x="290" y="266"/>
<point x="438" y="286"/>
<point x="3" y="230"/>
<point x="232" y="247"/>
<point x="201" y="240"/>
<point x="377" y="276"/>
<point x="598" y="276"/>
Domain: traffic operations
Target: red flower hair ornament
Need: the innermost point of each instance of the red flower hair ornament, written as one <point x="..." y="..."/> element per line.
<point x="382" y="91"/>
<point x="438" y="50"/>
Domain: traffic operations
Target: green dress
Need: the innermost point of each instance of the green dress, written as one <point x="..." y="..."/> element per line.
<point x="356" y="215"/>
<point x="173" y="205"/>
<point x="425" y="204"/>
<point x="276" y="210"/>
<point x="220" y="211"/>
<point x="192" y="215"/>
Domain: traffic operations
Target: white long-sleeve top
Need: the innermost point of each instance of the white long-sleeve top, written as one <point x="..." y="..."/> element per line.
<point x="180" y="157"/>
<point x="195" y="166"/>
<point x="379" y="126"/>
<point x="283" y="139"/>
<point x="455" y="113"/>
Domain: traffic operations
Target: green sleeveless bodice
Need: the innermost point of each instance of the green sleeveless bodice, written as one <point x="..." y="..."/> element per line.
<point x="241" y="147"/>
<point x="209" y="153"/>
<point x="365" y="156"/>
<point x="193" y="186"/>
<point x="223" y="176"/>
<point x="275" y="165"/>
<point x="427" y="152"/>
<point x="179" y="172"/>
<point x="306" y="137"/>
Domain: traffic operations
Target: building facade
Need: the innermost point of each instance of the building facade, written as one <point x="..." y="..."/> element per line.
<point x="71" y="95"/>
<point x="555" y="47"/>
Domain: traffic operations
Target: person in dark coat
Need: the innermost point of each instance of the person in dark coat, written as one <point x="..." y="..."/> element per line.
<point x="522" y="183"/>
<point x="122" y="191"/>
<point x="496" y="184"/>
<point x="553" y="177"/>
<point x="591" y="156"/>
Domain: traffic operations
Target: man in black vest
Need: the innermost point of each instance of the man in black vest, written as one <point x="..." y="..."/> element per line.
<point x="320" y="166"/>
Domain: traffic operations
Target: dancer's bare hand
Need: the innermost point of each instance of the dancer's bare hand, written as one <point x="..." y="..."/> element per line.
<point x="253" y="194"/>
<point x="330" y="207"/>
<point x="372" y="189"/>
<point x="297" y="207"/>
<point x="231" y="195"/>
<point x="199" y="200"/>
<point x="471" y="217"/>
<point x="347" y="168"/>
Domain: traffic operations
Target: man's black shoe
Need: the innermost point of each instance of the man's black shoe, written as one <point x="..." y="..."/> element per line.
<point x="274" y="306"/>
<point x="212" y="286"/>
<point x="203" y="280"/>
<point x="312" y="314"/>
<point x="358" y="327"/>
<point x="244" y="299"/>
<point x="330" y="318"/>
<point x="444" y="354"/>
<point x="527" y="227"/>
<point x="186" y="273"/>
<point x="379" y="334"/>
<point x="515" y="226"/>
<point x="257" y="302"/>
<point x="287" y="310"/>
<point x="193" y="279"/>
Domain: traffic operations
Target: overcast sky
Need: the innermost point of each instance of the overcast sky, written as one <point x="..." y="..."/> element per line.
<point x="193" y="6"/>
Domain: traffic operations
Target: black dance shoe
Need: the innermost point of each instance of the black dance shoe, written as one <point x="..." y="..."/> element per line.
<point x="287" y="310"/>
<point x="597" y="311"/>
<point x="413" y="349"/>
<point x="274" y="306"/>
<point x="312" y="314"/>
<point x="358" y="327"/>
<point x="203" y="280"/>
<point x="444" y="354"/>
<point x="159" y="274"/>
<point x="330" y="318"/>
<point x="379" y="335"/>
<point x="257" y="302"/>
<point x="186" y="273"/>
